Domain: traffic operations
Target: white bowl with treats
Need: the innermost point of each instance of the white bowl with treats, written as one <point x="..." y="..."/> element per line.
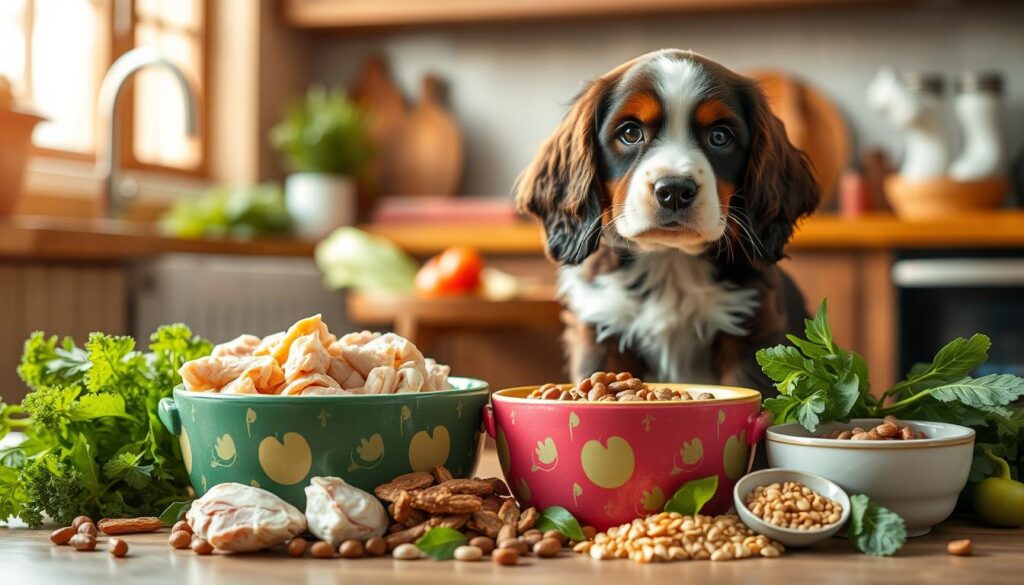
<point x="793" y="507"/>
<point x="917" y="474"/>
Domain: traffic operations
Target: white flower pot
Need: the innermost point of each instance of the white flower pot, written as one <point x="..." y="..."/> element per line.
<point x="319" y="202"/>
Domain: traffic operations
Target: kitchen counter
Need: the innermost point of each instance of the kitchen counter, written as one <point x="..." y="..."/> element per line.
<point x="105" y="240"/>
<point x="28" y="557"/>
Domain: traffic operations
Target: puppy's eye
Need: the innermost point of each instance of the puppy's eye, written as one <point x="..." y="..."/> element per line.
<point x="630" y="133"/>
<point x="720" y="137"/>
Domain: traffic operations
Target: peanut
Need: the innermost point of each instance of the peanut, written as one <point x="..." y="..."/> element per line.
<point x="960" y="548"/>
<point x="321" y="550"/>
<point x="297" y="547"/>
<point x="376" y="546"/>
<point x="610" y="387"/>
<point x="83" y="542"/>
<point x="80" y="520"/>
<point x="505" y="556"/>
<point x="351" y="549"/>
<point x="889" y="430"/>
<point x="468" y="553"/>
<point x="87" y="528"/>
<point x="200" y="546"/>
<point x="792" y="505"/>
<point x="483" y="543"/>
<point x="514" y="544"/>
<point x="181" y="525"/>
<point x="118" y="547"/>
<point x="547" y="548"/>
<point x="62" y="535"/>
<point x="406" y="552"/>
<point x="180" y="539"/>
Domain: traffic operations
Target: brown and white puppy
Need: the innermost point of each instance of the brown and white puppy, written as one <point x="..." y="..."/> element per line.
<point x="667" y="194"/>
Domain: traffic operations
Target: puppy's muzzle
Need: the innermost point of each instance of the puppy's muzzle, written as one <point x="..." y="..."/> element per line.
<point x="676" y="193"/>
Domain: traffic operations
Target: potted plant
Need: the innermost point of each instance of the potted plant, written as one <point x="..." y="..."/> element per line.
<point x="325" y="142"/>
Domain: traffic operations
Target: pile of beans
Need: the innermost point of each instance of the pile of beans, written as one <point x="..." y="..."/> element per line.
<point x="793" y="505"/>
<point x="615" y="387"/>
<point x="890" y="430"/>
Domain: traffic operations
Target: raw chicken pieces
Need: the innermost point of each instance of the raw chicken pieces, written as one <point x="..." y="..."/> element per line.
<point x="336" y="511"/>
<point x="240" y="518"/>
<point x="309" y="360"/>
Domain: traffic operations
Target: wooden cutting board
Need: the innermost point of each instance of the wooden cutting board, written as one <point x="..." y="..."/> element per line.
<point x="813" y="123"/>
<point x="427" y="156"/>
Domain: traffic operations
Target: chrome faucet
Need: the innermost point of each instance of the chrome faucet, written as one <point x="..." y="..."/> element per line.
<point x="115" y="192"/>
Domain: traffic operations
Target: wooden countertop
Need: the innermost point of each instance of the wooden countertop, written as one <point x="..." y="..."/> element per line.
<point x="95" y="239"/>
<point x="27" y="556"/>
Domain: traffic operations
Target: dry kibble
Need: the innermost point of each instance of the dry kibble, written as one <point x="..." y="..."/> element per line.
<point x="118" y="547"/>
<point x="532" y="537"/>
<point x="792" y="505"/>
<point x="406" y="552"/>
<point x="505" y="556"/>
<point x="669" y="536"/>
<point x="351" y="549"/>
<point x="62" y="535"/>
<point x="297" y="547"/>
<point x="483" y="543"/>
<point x="889" y="430"/>
<point x="468" y="553"/>
<point x="547" y="548"/>
<point x="201" y="546"/>
<point x="181" y="525"/>
<point x="83" y="542"/>
<point x="609" y="387"/>
<point x="960" y="548"/>
<point x="81" y="520"/>
<point x="87" y="528"/>
<point x="376" y="546"/>
<point x="321" y="550"/>
<point x="180" y="539"/>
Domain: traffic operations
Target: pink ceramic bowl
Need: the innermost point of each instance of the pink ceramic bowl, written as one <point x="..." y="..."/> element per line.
<point x="610" y="462"/>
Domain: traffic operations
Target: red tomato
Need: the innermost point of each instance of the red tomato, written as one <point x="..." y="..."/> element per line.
<point x="461" y="266"/>
<point x="455" y="271"/>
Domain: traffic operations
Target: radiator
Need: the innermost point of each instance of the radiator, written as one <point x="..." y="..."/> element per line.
<point x="221" y="297"/>
<point x="60" y="300"/>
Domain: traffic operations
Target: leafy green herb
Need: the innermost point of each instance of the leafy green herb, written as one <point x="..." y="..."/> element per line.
<point x="692" y="495"/>
<point x="560" y="519"/>
<point x="440" y="542"/>
<point x="174" y="512"/>
<point x="873" y="529"/>
<point x="93" y="444"/>
<point x="820" y="382"/>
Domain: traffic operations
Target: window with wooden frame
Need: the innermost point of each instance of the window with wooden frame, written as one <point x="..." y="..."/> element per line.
<point x="56" y="52"/>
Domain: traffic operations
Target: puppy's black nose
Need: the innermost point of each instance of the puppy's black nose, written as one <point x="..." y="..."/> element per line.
<point x="675" y="193"/>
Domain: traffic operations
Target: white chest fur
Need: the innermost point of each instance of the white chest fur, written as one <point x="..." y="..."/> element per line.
<point x="665" y="306"/>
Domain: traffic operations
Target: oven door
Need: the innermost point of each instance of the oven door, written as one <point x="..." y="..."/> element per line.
<point x="944" y="298"/>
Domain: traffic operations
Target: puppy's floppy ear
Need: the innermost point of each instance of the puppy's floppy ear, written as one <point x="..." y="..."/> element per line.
<point x="561" y="186"/>
<point x="779" y="186"/>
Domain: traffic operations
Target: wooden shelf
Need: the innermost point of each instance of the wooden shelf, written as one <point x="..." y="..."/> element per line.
<point x="360" y="14"/>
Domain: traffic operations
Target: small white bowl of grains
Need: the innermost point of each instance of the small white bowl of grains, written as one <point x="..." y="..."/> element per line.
<point x="795" y="508"/>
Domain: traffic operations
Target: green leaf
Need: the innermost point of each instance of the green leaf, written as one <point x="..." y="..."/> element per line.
<point x="873" y="529"/>
<point x="953" y="362"/>
<point x="174" y="512"/>
<point x="817" y="330"/>
<point x="81" y="459"/>
<point x="780" y="362"/>
<point x="108" y="354"/>
<point x="93" y="406"/>
<point x="809" y="410"/>
<point x="560" y="519"/>
<point x="440" y="542"/>
<point x="783" y="408"/>
<point x="126" y="466"/>
<point x="991" y="390"/>
<point x="691" y="497"/>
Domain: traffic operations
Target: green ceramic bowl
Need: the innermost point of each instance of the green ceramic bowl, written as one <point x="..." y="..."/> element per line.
<point x="279" y="442"/>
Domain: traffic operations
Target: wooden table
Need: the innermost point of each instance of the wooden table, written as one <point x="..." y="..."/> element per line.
<point x="27" y="557"/>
